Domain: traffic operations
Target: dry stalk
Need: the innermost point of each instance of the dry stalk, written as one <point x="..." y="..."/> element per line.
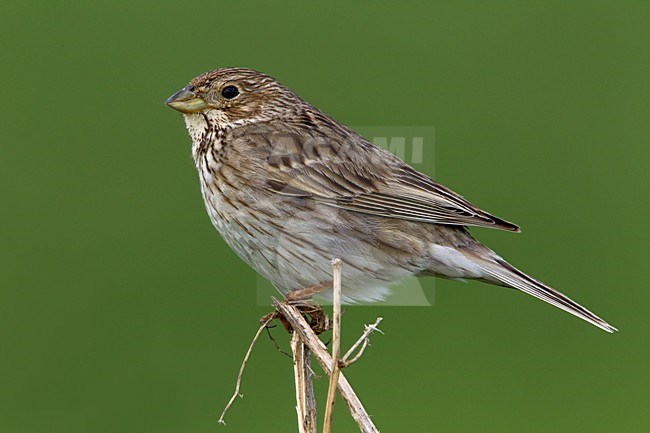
<point x="305" y="401"/>
<point x="336" y="346"/>
<point x="304" y="343"/>
<point x="241" y="370"/>
<point x="318" y="349"/>
<point x="365" y="338"/>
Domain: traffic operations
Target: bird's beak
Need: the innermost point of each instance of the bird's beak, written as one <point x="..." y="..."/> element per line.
<point x="186" y="101"/>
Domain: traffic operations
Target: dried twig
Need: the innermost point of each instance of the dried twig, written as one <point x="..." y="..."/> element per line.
<point x="336" y="346"/>
<point x="316" y="346"/>
<point x="305" y="401"/>
<point x="241" y="369"/>
<point x="304" y="342"/>
<point x="365" y="338"/>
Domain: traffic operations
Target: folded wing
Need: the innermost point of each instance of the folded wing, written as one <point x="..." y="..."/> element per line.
<point x="337" y="167"/>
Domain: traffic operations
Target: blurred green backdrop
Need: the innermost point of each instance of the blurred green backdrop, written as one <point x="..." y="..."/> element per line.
<point x="121" y="310"/>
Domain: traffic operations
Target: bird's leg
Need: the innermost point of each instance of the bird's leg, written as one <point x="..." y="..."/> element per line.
<point x="301" y="299"/>
<point x="300" y="296"/>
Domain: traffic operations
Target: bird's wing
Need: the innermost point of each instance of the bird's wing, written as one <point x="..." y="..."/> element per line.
<point x="337" y="167"/>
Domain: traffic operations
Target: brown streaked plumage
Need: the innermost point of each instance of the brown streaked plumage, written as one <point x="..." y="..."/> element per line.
<point x="289" y="188"/>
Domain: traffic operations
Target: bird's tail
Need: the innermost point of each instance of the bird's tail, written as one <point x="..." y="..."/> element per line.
<point x="503" y="273"/>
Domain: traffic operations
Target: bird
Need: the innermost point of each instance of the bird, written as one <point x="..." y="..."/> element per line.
<point x="289" y="188"/>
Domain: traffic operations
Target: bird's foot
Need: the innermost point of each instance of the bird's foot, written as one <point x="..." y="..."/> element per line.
<point x="313" y="314"/>
<point x="316" y="317"/>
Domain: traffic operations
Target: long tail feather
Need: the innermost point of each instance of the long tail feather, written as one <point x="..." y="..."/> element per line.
<point x="508" y="275"/>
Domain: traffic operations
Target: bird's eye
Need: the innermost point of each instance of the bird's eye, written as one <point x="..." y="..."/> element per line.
<point x="229" y="92"/>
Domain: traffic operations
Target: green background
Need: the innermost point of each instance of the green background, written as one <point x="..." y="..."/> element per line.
<point x="121" y="309"/>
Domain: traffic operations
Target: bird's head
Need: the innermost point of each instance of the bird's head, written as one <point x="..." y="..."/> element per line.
<point x="231" y="96"/>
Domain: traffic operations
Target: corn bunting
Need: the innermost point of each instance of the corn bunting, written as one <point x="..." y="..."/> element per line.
<point x="289" y="188"/>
